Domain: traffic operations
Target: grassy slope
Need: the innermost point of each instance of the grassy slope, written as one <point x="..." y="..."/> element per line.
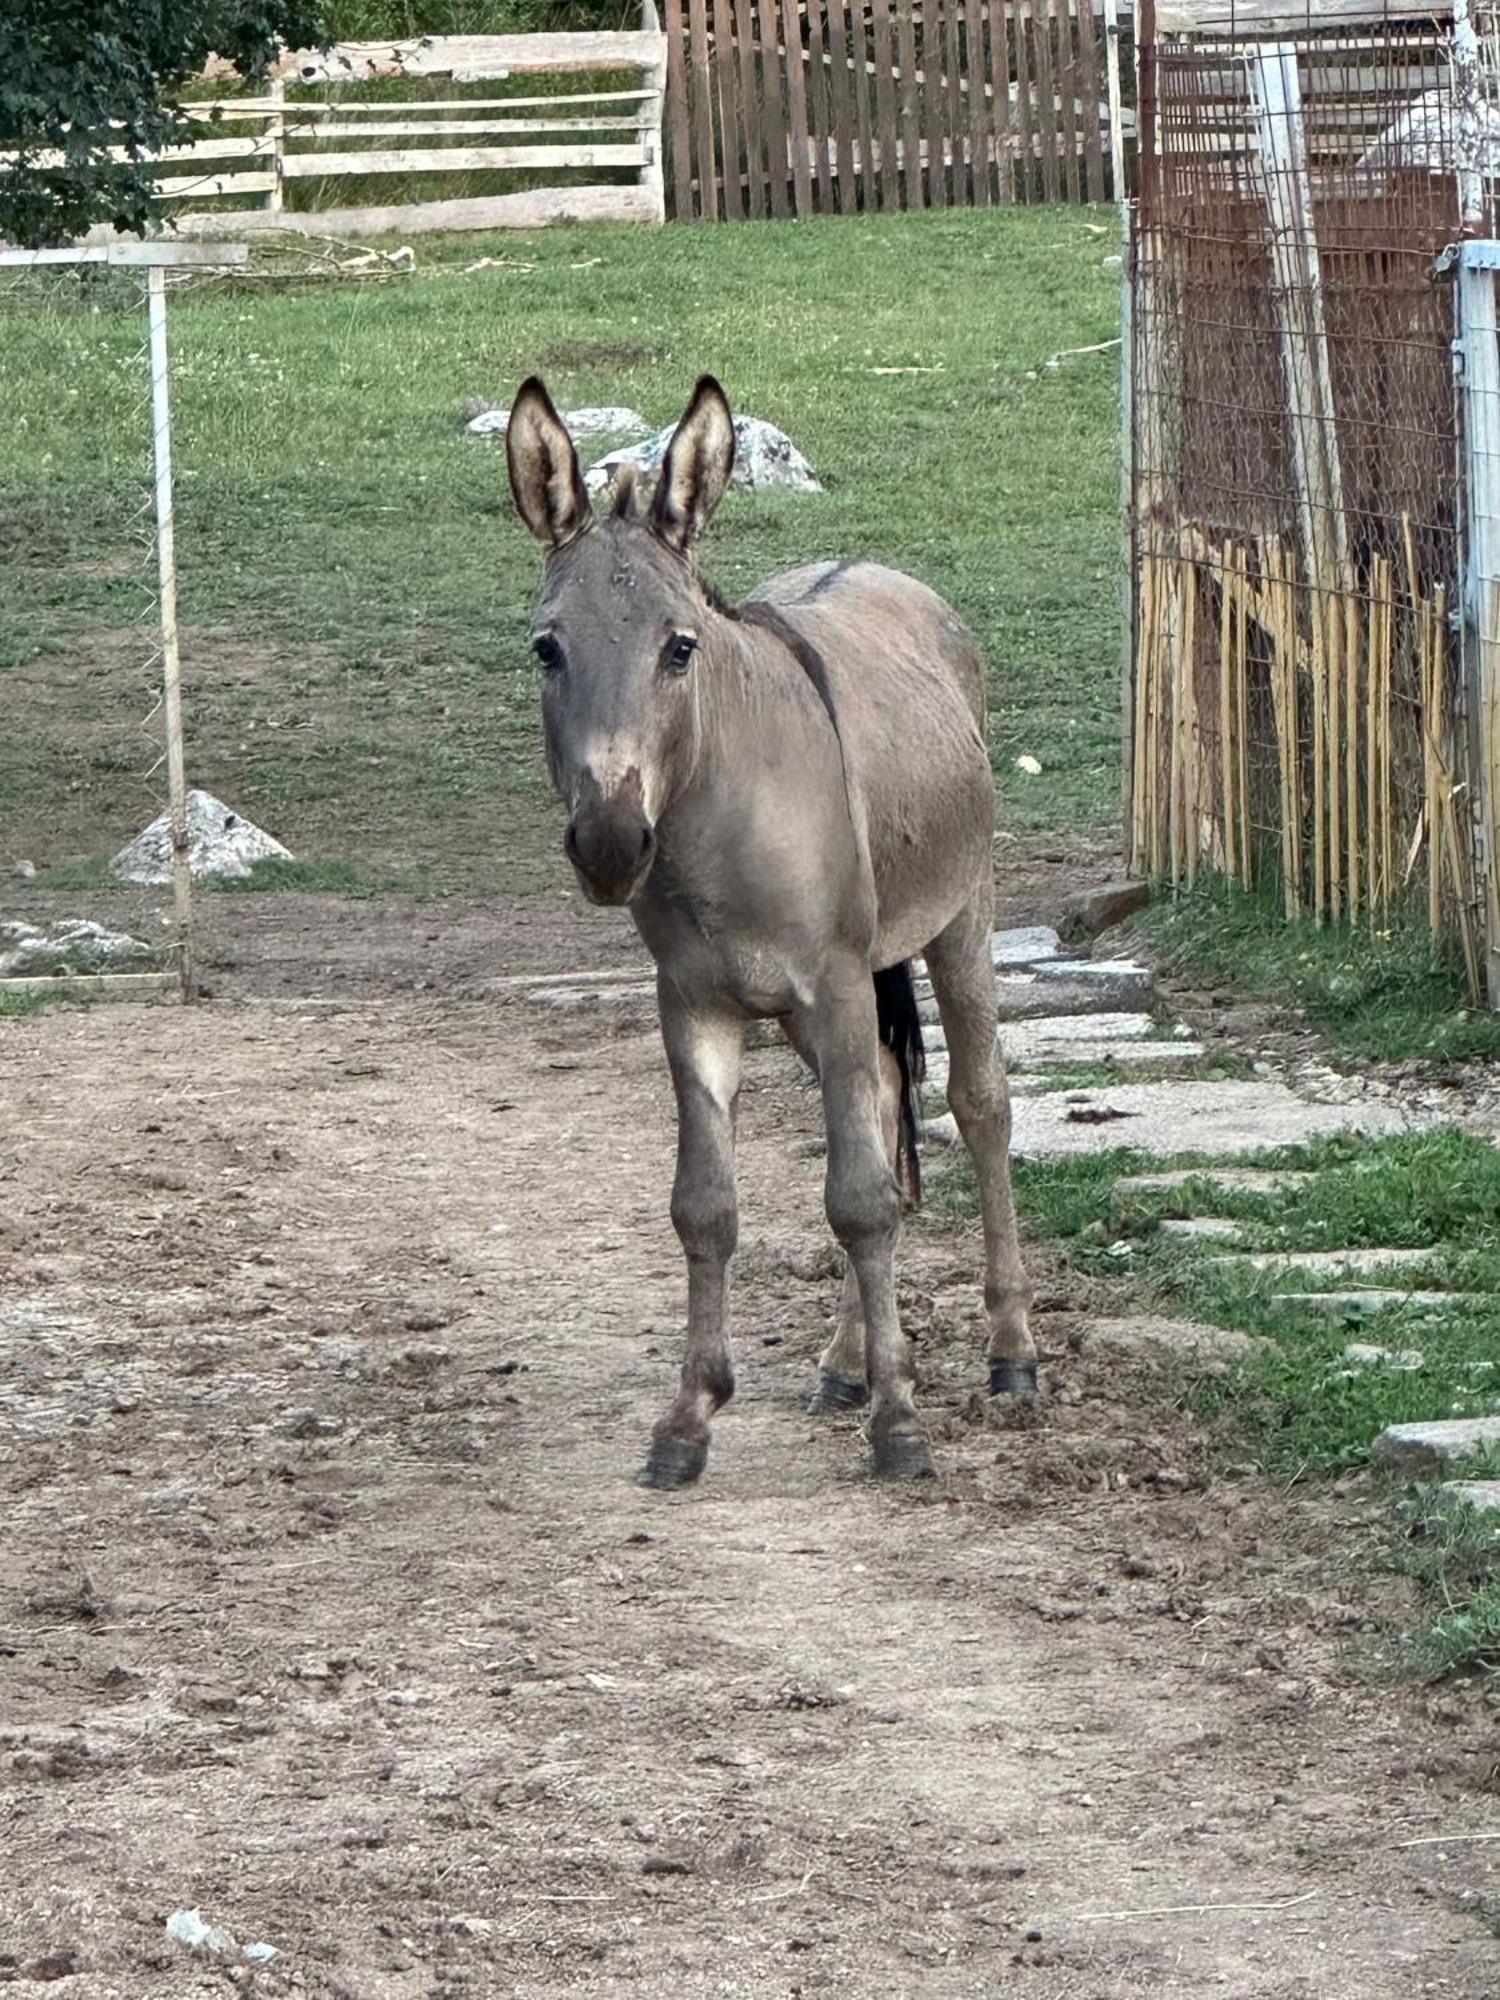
<point x="355" y="591"/>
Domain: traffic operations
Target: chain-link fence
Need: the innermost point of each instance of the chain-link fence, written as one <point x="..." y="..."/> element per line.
<point x="1299" y="711"/>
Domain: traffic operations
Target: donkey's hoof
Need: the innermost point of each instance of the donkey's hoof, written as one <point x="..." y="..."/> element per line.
<point x="1013" y="1378"/>
<point x="672" y="1462"/>
<point x="835" y="1393"/>
<point x="904" y="1457"/>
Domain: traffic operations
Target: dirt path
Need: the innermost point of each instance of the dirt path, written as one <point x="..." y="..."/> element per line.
<point x="329" y="1336"/>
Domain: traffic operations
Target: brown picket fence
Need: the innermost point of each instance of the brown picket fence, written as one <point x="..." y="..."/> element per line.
<point x="796" y="107"/>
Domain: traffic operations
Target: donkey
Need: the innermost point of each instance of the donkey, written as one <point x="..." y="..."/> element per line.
<point x="793" y="797"/>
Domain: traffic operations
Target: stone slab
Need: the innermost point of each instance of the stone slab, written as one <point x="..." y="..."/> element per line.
<point x="1328" y="1263"/>
<point x="1117" y="975"/>
<point x="1031" y="944"/>
<point x="1160" y="1337"/>
<point x="1420" y="1450"/>
<point x="1228" y="1180"/>
<point x="1365" y="1354"/>
<point x="1201" y="1229"/>
<point x="1211" y="1116"/>
<point x="1483" y="1495"/>
<point x="1372" y="1299"/>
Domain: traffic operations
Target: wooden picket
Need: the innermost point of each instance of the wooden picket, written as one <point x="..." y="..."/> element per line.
<point x="795" y="107"/>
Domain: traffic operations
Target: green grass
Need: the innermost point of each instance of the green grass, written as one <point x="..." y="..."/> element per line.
<point x="355" y="590"/>
<point x="1384" y="998"/>
<point x="17" y="1006"/>
<point x="332" y="878"/>
<point x="1453" y="1553"/>
<point x="1296" y="1408"/>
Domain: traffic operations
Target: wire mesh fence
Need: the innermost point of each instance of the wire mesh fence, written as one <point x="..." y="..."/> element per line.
<point x="1299" y="711"/>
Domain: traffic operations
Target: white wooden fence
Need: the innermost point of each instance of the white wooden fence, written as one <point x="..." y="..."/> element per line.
<point x="254" y="147"/>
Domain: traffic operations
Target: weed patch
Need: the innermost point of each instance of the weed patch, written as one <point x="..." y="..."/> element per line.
<point x="1385" y="998"/>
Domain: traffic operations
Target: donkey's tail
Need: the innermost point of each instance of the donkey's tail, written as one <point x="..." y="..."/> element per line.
<point x="901" y="1031"/>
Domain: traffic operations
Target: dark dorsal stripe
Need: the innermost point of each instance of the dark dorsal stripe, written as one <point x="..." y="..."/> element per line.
<point x="801" y="648"/>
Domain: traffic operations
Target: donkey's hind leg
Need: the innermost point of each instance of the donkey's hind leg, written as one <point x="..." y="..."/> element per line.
<point x="842" y="1370"/>
<point x="864" y="1204"/>
<point x="963" y="981"/>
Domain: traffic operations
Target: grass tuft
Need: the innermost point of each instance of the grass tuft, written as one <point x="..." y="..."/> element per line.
<point x="1390" y="997"/>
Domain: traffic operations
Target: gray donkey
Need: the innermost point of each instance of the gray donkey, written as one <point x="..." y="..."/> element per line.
<point x="794" y="798"/>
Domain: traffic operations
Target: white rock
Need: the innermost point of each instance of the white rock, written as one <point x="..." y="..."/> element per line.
<point x="220" y="842"/>
<point x="763" y="456"/>
<point x="611" y="420"/>
<point x="73" y="945"/>
<point x="190" y="1928"/>
<point x="24" y="871"/>
<point x="1483" y="1495"/>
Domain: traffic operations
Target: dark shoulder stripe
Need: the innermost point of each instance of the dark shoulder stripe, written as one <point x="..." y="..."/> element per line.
<point x="770" y="619"/>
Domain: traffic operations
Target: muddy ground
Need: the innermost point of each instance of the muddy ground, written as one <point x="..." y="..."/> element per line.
<point x="334" y="1315"/>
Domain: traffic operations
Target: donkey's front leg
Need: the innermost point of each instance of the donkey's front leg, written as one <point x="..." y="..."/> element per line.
<point x="704" y="1052"/>
<point x="864" y="1209"/>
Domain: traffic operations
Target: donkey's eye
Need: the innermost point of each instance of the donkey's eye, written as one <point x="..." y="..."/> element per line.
<point x="678" y="656"/>
<point x="547" y="651"/>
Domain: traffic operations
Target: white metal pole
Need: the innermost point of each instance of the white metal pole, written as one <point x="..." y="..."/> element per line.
<point x="171" y="666"/>
<point x="1479" y="332"/>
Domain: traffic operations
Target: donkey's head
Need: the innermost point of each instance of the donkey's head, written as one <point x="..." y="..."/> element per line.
<point x="616" y="630"/>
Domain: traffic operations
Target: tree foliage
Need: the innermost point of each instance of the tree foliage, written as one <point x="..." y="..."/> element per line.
<point x="80" y="79"/>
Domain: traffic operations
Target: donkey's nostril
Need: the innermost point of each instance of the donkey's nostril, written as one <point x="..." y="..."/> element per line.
<point x="570" y="842"/>
<point x="648" y="840"/>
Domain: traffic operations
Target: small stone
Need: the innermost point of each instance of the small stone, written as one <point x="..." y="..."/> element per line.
<point x="24" y="871"/>
<point x="1095" y="910"/>
<point x="941" y="1130"/>
<point x="1483" y="1495"/>
<point x="189" y="1927"/>
<point x="1365" y="1354"/>
<point x="1421" y="1450"/>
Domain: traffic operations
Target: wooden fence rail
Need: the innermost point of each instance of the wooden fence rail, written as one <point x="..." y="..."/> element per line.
<point x="737" y="109"/>
<point x="791" y="107"/>
<point x="398" y="144"/>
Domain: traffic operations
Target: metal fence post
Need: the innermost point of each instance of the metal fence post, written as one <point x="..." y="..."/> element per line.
<point x="1477" y="354"/>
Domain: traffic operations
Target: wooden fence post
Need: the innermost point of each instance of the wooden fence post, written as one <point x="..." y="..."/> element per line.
<point x="171" y="671"/>
<point x="653" y="111"/>
<point x="276" y="133"/>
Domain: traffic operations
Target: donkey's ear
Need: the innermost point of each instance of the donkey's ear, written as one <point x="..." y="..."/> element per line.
<point x="544" y="477"/>
<point x="697" y="467"/>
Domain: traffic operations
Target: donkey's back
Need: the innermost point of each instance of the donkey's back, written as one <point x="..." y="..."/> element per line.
<point x="907" y="685"/>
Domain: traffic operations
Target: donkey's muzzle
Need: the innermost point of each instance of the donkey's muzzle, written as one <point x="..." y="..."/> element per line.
<point x="611" y="844"/>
